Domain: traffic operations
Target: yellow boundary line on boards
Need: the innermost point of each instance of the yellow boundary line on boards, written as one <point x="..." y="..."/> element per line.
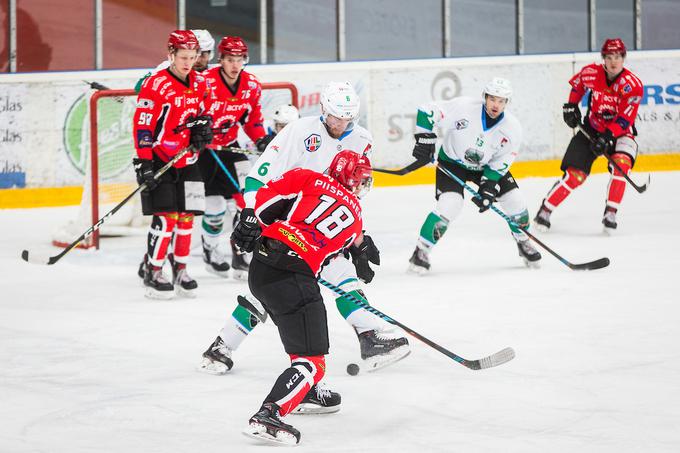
<point x="71" y="195"/>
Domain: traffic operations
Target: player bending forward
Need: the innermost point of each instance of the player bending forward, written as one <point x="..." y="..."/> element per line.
<point x="166" y="122"/>
<point x="236" y="103"/>
<point x="613" y="100"/>
<point x="481" y="141"/>
<point x="306" y="219"/>
<point x="312" y="143"/>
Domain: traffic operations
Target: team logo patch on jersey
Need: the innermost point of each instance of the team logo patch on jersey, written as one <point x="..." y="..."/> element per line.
<point x="145" y="104"/>
<point x="474" y="156"/>
<point x="627" y="88"/>
<point x="252" y="85"/>
<point x="462" y="124"/>
<point x="634" y="99"/>
<point x="313" y="143"/>
<point x="144" y="139"/>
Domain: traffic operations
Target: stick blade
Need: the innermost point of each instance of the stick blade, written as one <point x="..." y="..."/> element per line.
<point x="36" y="258"/>
<point x="591" y="266"/>
<point x="498" y="358"/>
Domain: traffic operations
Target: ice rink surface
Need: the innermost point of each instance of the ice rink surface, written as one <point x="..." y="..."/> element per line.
<point x="89" y="365"/>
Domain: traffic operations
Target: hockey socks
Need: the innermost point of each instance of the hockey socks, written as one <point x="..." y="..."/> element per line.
<point x="294" y="383"/>
<point x="571" y="179"/>
<point x="522" y="220"/>
<point x="432" y="230"/>
<point x="238" y="326"/>
<point x="182" y="245"/>
<point x="617" y="183"/>
<point x="159" y="237"/>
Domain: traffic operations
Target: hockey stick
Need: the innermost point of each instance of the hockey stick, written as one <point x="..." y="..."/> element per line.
<point x="613" y="163"/>
<point x="251" y="152"/>
<point x="403" y="171"/>
<point x="589" y="266"/>
<point x="99" y="87"/>
<point x="493" y="360"/>
<point x="43" y="259"/>
<point x="226" y="172"/>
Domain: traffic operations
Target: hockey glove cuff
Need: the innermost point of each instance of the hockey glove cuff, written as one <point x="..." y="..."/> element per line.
<point x="144" y="172"/>
<point x="425" y="146"/>
<point x="604" y="143"/>
<point x="246" y="231"/>
<point x="261" y="143"/>
<point x="488" y="193"/>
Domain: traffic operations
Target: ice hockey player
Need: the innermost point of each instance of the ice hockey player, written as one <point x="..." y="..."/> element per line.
<point x="312" y="143"/>
<point x="169" y="118"/>
<point x="236" y="95"/>
<point x="284" y="114"/>
<point x="206" y="45"/>
<point x="306" y="218"/>
<point x="614" y="95"/>
<point x="481" y="140"/>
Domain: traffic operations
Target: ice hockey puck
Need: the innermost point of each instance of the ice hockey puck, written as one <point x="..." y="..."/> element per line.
<point x="352" y="369"/>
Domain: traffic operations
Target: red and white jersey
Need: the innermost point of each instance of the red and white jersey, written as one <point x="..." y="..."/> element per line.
<point x="613" y="105"/>
<point x="312" y="213"/>
<point x="164" y="103"/>
<point x="234" y="108"/>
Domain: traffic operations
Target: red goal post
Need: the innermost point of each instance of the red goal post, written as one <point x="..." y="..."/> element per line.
<point x="92" y="198"/>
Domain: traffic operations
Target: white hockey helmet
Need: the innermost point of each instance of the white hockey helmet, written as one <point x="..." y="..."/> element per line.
<point x="205" y="41"/>
<point x="285" y="113"/>
<point x="499" y="87"/>
<point x="340" y="100"/>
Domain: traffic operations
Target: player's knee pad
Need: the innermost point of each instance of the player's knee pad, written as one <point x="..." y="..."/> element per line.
<point x="313" y="368"/>
<point x="448" y="206"/>
<point x="341" y="272"/>
<point x="305" y="331"/>
<point x="624" y="162"/>
<point x="626" y="145"/>
<point x="573" y="177"/>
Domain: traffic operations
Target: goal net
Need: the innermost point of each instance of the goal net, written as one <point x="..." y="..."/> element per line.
<point x="106" y="155"/>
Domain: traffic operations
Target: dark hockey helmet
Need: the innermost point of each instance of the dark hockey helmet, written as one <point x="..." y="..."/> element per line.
<point x="352" y="170"/>
<point x="182" y="39"/>
<point x="614" y="45"/>
<point x="233" y="45"/>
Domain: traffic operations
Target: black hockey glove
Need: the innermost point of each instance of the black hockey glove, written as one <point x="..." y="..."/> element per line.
<point x="201" y="131"/>
<point x="425" y="145"/>
<point x="144" y="171"/>
<point x="261" y="143"/>
<point x="246" y="231"/>
<point x="361" y="255"/>
<point x="571" y="114"/>
<point x="488" y="192"/>
<point x="603" y="144"/>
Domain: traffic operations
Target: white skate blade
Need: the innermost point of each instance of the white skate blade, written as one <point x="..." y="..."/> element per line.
<point x="240" y="274"/>
<point x="417" y="270"/>
<point x="541" y="228"/>
<point x="608" y="231"/>
<point x="381" y="361"/>
<point x="312" y="409"/>
<point x="186" y="293"/>
<point x="258" y="431"/>
<point x="152" y="293"/>
<point x="212" y="367"/>
<point x="532" y="264"/>
<point x="212" y="270"/>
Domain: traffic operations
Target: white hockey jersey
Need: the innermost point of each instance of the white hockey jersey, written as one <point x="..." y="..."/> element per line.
<point x="303" y="143"/>
<point x="467" y="141"/>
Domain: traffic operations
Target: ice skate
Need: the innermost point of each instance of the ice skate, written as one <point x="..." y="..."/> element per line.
<point x="215" y="259"/>
<point x="239" y="264"/>
<point x="528" y="253"/>
<point x="609" y="220"/>
<point x="217" y="358"/>
<point x="185" y="286"/>
<point x="382" y="348"/>
<point x="319" y="400"/>
<point x="419" y="263"/>
<point x="157" y="285"/>
<point x="267" y="425"/>
<point x="143" y="267"/>
<point x="542" y="219"/>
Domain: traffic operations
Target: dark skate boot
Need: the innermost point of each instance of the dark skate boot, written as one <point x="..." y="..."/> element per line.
<point x="319" y="400"/>
<point x="215" y="260"/>
<point x="419" y="262"/>
<point x="157" y="285"/>
<point x="184" y="284"/>
<point x="382" y="348"/>
<point x="267" y="425"/>
<point x="239" y="263"/>
<point x="217" y="358"/>
<point x="542" y="219"/>
<point x="529" y="254"/>
<point x="609" y="219"/>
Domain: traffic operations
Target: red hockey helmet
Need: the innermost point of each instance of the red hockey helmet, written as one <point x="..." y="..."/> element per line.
<point x="614" y="45"/>
<point x="352" y="170"/>
<point x="182" y="39"/>
<point x="233" y="45"/>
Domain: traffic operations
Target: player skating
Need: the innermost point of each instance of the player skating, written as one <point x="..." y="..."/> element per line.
<point x="481" y="140"/>
<point x="168" y="119"/>
<point x="306" y="219"/>
<point x="614" y="95"/>
<point x="312" y="143"/>
<point x="236" y="95"/>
